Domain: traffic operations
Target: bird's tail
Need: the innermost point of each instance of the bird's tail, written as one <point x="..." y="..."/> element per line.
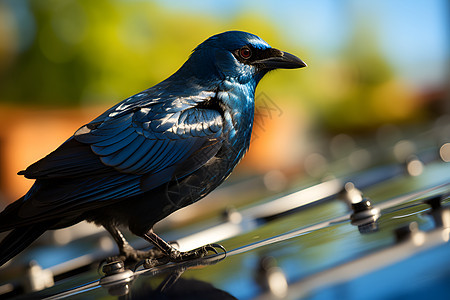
<point x="20" y="236"/>
<point x="8" y="217"/>
<point x="18" y="239"/>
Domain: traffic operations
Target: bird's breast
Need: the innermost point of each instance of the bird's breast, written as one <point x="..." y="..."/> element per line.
<point x="239" y="102"/>
<point x="238" y="116"/>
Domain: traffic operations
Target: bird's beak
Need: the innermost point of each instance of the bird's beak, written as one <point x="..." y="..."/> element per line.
<point x="280" y="60"/>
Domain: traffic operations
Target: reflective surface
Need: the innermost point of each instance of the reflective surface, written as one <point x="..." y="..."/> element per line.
<point x="379" y="233"/>
<point x="314" y="252"/>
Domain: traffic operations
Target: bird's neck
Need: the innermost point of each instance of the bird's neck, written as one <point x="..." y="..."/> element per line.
<point x="239" y="100"/>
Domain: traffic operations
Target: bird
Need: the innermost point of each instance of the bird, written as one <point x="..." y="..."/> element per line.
<point x="151" y="154"/>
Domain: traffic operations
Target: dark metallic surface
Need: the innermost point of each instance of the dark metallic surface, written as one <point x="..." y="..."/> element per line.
<point x="322" y="240"/>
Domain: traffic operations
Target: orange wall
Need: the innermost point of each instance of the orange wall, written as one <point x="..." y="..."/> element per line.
<point x="26" y="135"/>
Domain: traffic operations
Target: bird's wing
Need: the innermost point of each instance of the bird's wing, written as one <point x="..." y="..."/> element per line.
<point x="155" y="143"/>
<point x="129" y="151"/>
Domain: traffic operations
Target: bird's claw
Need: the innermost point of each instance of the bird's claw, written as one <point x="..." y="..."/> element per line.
<point x="219" y="246"/>
<point x="178" y="256"/>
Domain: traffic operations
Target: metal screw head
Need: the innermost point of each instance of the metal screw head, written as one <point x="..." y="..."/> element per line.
<point x="361" y="206"/>
<point x="363" y="210"/>
<point x="369" y="227"/>
<point x="365" y="216"/>
<point x="117" y="278"/>
<point x="113" y="268"/>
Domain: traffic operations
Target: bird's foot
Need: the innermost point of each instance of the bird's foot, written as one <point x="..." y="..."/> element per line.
<point x="138" y="255"/>
<point x="178" y="256"/>
<point x="174" y="255"/>
<point x="131" y="256"/>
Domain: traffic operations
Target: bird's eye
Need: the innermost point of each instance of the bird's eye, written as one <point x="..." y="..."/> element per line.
<point x="245" y="52"/>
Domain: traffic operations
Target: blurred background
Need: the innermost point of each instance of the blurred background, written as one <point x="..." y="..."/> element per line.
<point x="375" y="70"/>
<point x="371" y="108"/>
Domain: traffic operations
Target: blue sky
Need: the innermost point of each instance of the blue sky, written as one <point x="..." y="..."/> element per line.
<point x="413" y="34"/>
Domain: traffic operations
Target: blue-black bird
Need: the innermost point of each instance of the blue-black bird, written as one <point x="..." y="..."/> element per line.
<point x="151" y="154"/>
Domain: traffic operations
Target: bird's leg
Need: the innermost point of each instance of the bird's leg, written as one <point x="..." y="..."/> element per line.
<point x="174" y="254"/>
<point x="126" y="251"/>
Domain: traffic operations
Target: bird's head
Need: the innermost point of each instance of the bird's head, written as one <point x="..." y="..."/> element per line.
<point x="239" y="56"/>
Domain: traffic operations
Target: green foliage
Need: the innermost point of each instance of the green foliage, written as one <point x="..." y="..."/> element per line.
<point x="103" y="51"/>
<point x="90" y="52"/>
